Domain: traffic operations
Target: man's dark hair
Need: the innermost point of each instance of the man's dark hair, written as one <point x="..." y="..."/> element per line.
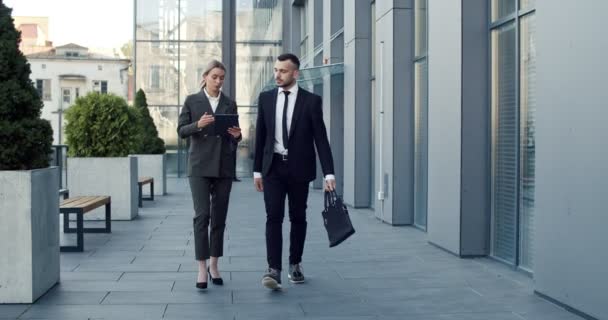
<point x="291" y="57"/>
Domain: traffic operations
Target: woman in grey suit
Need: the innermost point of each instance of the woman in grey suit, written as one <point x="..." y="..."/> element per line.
<point x="210" y="168"/>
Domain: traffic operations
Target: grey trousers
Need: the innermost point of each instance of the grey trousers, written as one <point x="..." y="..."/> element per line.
<point x="210" y="197"/>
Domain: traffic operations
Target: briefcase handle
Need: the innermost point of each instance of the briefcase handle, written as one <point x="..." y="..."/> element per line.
<point x="330" y="198"/>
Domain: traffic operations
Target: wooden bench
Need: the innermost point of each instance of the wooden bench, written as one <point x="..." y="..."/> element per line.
<point x="80" y="206"/>
<point x="141" y="182"/>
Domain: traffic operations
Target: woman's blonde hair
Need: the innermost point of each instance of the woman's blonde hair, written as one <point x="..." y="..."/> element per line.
<point x="210" y="66"/>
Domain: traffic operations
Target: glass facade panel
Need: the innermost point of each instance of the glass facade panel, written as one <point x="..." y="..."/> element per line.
<point x="502" y="8"/>
<point x="504" y="143"/>
<point x="527" y="85"/>
<point x="421" y="114"/>
<point x="258" y="34"/>
<point x="372" y="141"/>
<point x="513" y="142"/>
<point x="527" y="4"/>
<point x="194" y="58"/>
<point x="372" y="106"/>
<point x="254" y="69"/>
<point x="373" y="44"/>
<point x="304" y="30"/>
<point x="420" y="27"/>
<point x="157" y="71"/>
<point x="200" y="20"/>
<point x="258" y="20"/>
<point x="174" y="41"/>
<point x="157" y="20"/>
<point x="421" y="143"/>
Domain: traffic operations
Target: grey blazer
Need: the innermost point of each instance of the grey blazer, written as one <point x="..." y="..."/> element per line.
<point x="211" y="154"/>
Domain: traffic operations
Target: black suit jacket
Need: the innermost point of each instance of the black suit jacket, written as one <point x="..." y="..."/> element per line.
<point x="307" y="130"/>
<point x="211" y="153"/>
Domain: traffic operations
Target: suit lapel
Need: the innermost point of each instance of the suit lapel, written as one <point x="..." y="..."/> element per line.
<point x="223" y="105"/>
<point x="272" y="112"/>
<point x="206" y="106"/>
<point x="297" y="110"/>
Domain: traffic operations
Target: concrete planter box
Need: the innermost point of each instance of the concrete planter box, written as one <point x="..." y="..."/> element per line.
<point x="155" y="166"/>
<point x="114" y="177"/>
<point x="29" y="234"/>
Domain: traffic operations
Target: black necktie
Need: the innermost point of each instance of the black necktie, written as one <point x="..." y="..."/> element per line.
<point x="285" y="132"/>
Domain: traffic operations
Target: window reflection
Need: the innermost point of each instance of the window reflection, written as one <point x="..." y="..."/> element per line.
<point x="502" y="8"/>
<point x="258" y="33"/>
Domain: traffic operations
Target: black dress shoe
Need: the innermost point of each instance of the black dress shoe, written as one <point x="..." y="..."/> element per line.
<point x="216" y="281"/>
<point x="201" y="285"/>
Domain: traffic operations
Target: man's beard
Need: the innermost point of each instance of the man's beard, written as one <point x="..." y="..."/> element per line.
<point x="287" y="85"/>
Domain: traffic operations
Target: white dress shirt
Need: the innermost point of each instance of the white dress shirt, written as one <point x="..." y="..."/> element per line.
<point x="278" y="132"/>
<point x="278" y="122"/>
<point x="214" y="101"/>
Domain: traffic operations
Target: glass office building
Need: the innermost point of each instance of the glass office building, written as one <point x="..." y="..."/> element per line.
<point x="432" y="109"/>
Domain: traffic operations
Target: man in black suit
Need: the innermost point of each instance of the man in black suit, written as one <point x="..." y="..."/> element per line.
<point x="289" y="126"/>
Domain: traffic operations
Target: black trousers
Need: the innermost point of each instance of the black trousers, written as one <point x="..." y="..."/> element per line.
<point x="277" y="186"/>
<point x="210" y="197"/>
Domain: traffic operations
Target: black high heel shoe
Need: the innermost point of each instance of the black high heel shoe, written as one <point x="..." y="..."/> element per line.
<point x="201" y="285"/>
<point x="216" y="281"/>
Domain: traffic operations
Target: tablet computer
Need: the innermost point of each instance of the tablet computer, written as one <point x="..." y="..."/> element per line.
<point x="225" y="121"/>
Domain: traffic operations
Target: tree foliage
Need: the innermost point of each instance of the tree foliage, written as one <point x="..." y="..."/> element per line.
<point x="102" y="125"/>
<point x="25" y="139"/>
<point x="151" y="143"/>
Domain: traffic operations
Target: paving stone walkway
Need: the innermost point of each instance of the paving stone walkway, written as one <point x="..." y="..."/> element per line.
<point x="145" y="270"/>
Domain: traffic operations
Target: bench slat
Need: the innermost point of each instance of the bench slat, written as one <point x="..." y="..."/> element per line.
<point x="145" y="180"/>
<point x="87" y="203"/>
<point x="75" y="202"/>
<point x="95" y="203"/>
<point x="70" y="200"/>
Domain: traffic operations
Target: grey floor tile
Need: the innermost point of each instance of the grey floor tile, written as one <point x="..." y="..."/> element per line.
<point x="279" y="310"/>
<point x="189" y="286"/>
<point x="114" y="259"/>
<point x="153" y="297"/>
<point x="346" y="309"/>
<point x="396" y="283"/>
<point x="159" y="276"/>
<point x="140" y="285"/>
<point x="550" y="315"/>
<point x="136" y="253"/>
<point x="440" y="304"/>
<point x="294" y="295"/>
<point x="8" y="311"/>
<point x="192" y="266"/>
<point x="458" y="316"/>
<point x="199" y="311"/>
<point x="90" y="276"/>
<point x="128" y="267"/>
<point x="60" y="297"/>
<point x="332" y="318"/>
<point x="405" y="293"/>
<point x="94" y="311"/>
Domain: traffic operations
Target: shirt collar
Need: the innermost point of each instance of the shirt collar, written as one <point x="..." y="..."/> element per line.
<point x="210" y="97"/>
<point x="293" y="90"/>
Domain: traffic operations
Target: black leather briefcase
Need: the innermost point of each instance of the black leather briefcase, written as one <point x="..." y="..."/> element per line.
<point x="336" y="219"/>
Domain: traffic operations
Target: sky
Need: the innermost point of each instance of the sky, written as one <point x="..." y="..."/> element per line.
<point x="90" y="23"/>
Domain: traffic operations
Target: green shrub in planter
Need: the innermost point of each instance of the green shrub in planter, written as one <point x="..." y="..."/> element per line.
<point x="151" y="143"/>
<point x="102" y="125"/>
<point x="25" y="139"/>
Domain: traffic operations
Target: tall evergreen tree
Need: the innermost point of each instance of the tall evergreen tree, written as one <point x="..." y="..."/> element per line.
<point x="152" y="144"/>
<point x="25" y="139"/>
